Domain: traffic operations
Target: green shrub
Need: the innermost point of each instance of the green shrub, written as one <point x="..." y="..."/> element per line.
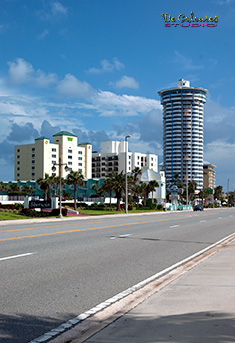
<point x="159" y="207"/>
<point x="150" y="204"/>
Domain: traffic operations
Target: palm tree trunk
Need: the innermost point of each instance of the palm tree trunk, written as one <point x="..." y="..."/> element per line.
<point x="75" y="196"/>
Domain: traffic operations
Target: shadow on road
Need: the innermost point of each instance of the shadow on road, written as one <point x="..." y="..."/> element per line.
<point x="23" y="328"/>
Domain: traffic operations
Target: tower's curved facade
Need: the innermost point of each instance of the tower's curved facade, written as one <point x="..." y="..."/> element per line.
<point x="183" y="109"/>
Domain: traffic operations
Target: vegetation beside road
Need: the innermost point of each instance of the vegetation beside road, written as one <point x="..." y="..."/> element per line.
<point x="11" y="216"/>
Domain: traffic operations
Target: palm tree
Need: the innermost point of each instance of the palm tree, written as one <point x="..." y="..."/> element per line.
<point x="118" y="185"/>
<point x="27" y="189"/>
<point x="138" y="189"/>
<point x="57" y="183"/>
<point x="218" y="192"/>
<point x="13" y="188"/>
<point x="151" y="186"/>
<point x="107" y="188"/>
<point x="44" y="184"/>
<point x="3" y="187"/>
<point x="136" y="172"/>
<point x="75" y="178"/>
<point x="96" y="188"/>
<point x="192" y="186"/>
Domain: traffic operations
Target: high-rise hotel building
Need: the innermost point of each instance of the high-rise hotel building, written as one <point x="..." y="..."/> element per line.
<point x="183" y="108"/>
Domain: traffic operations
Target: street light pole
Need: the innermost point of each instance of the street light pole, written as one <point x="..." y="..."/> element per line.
<point x="126" y="188"/>
<point x="228" y="190"/>
<point x="60" y="164"/>
<point x="186" y="158"/>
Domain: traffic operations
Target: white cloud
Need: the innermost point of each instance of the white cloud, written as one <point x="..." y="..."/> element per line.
<point x="57" y="9"/>
<point x="107" y="66"/>
<point x="127" y="82"/>
<point x="186" y="62"/>
<point x="43" y="34"/>
<point x="224" y="2"/>
<point x="70" y="86"/>
<point x="110" y="104"/>
<point x="54" y="11"/>
<point x="21" y="71"/>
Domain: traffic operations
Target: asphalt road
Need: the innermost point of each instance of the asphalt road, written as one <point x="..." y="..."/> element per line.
<point x="53" y="271"/>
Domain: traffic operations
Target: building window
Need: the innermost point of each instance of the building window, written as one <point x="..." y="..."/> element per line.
<point x="70" y="157"/>
<point x="33" y="162"/>
<point x="53" y="162"/>
<point x="80" y="152"/>
<point x="33" y="168"/>
<point x="80" y="164"/>
<point x="33" y="156"/>
<point x="70" y="163"/>
<point x="53" y="150"/>
<point x="70" y="151"/>
<point x="18" y="168"/>
<point x="18" y="175"/>
<point x="18" y="162"/>
<point x="53" y="156"/>
<point x="53" y="174"/>
<point x="80" y="170"/>
<point x="33" y="149"/>
<point x="80" y="158"/>
<point x="129" y="157"/>
<point x="18" y="150"/>
<point x="18" y="156"/>
<point x="33" y="174"/>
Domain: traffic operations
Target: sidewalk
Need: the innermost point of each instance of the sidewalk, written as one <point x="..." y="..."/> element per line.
<point x="198" y="307"/>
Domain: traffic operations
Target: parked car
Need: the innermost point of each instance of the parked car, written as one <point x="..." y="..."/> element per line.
<point x="198" y="208"/>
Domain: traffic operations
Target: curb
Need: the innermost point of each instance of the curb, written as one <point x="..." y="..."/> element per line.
<point x="54" y="333"/>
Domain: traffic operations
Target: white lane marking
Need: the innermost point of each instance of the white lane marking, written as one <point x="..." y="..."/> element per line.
<point x="230" y="216"/>
<point x="202" y="221"/>
<point x="121" y="236"/>
<point x="16" y="256"/>
<point x="220" y="218"/>
<point x="171" y="227"/>
<point x="70" y="323"/>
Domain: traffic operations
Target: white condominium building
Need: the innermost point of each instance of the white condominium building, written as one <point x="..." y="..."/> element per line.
<point x="32" y="161"/>
<point x="183" y="109"/>
<point x="112" y="159"/>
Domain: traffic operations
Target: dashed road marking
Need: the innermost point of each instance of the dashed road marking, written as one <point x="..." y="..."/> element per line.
<point x="16" y="256"/>
<point x="121" y="236"/>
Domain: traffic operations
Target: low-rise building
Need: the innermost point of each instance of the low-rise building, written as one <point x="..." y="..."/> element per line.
<point x="112" y="159"/>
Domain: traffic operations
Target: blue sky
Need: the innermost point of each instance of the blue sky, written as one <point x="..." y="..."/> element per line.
<point x="94" y="67"/>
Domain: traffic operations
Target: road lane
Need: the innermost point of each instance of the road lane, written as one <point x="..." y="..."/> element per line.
<point x="81" y="267"/>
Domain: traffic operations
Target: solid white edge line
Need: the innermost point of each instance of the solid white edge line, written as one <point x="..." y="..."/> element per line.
<point x="74" y="321"/>
<point x="16" y="256"/>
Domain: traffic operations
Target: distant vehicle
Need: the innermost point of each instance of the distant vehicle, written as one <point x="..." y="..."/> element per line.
<point x="198" y="208"/>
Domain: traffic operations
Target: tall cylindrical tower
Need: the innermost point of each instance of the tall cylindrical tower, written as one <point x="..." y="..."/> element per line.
<point x="183" y="109"/>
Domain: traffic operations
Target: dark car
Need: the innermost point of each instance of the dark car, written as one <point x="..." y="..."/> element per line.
<point x="198" y="208"/>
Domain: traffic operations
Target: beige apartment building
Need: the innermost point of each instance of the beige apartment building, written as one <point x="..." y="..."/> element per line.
<point x="32" y="161"/>
<point x="208" y="175"/>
